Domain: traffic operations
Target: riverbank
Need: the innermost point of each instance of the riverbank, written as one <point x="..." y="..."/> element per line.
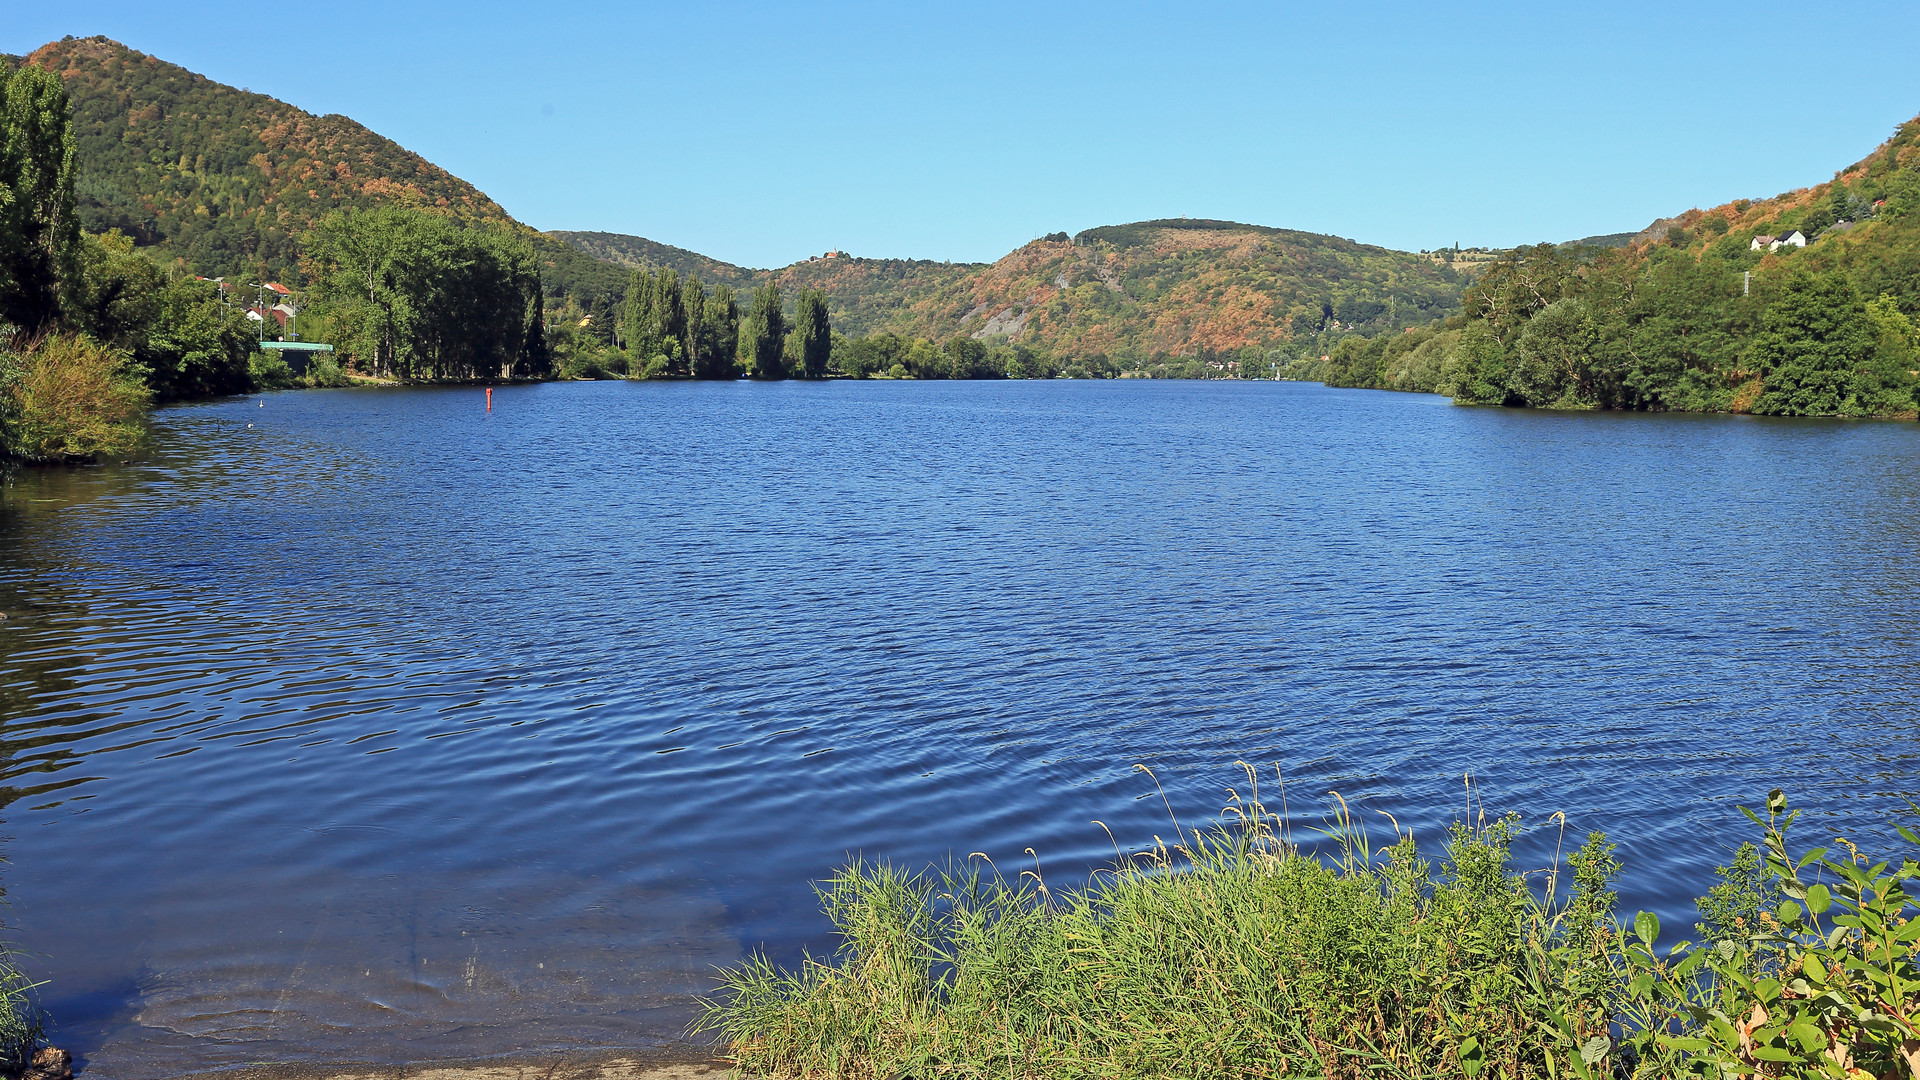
<point x="1234" y="952"/>
<point x="567" y="1066"/>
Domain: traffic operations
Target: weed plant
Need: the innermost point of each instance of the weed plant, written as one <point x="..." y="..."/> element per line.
<point x="1233" y="953"/>
<point x="1229" y="954"/>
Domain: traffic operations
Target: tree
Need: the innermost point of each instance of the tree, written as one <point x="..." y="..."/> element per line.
<point x="812" y="336"/>
<point x="39" y="233"/>
<point x="1555" y="363"/>
<point x="417" y="295"/>
<point x="763" y="335"/>
<point x="723" y="317"/>
<point x="1814" y="340"/>
<point x="700" y="339"/>
<point x="1476" y="372"/>
<point x="670" y="317"/>
<point x="640" y="323"/>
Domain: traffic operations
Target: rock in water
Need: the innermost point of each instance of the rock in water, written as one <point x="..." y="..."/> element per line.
<point x="52" y="1063"/>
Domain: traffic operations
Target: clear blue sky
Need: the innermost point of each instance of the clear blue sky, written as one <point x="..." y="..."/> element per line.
<point x="761" y="134"/>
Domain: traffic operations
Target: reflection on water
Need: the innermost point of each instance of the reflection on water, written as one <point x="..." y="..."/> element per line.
<point x="389" y="728"/>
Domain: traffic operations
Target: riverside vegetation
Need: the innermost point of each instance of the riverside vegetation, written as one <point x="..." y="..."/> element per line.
<point x="1708" y="317"/>
<point x="1233" y="953"/>
<point x="204" y="178"/>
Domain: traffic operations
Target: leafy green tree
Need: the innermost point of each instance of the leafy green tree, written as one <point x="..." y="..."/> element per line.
<point x="418" y="295"/>
<point x="722" y="318"/>
<point x="1888" y="385"/>
<point x="670" y="315"/>
<point x="39" y="233"/>
<point x="1509" y="291"/>
<point x="1554" y="362"/>
<point x="763" y="335"/>
<point x="699" y="337"/>
<point x="640" y="323"/>
<point x="1477" y="372"/>
<point x="811" y="337"/>
<point x="1814" y="341"/>
<point x="1680" y="333"/>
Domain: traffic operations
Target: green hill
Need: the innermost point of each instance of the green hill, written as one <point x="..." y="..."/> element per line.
<point x="1865" y="221"/>
<point x="220" y="181"/>
<point x="1177" y="287"/>
<point x="640" y="253"/>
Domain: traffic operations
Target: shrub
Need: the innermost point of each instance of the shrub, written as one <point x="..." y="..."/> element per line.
<point x="325" y="371"/>
<point x="70" y="399"/>
<point x="269" y="370"/>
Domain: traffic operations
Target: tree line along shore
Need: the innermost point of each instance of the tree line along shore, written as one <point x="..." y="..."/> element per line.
<point x="93" y="331"/>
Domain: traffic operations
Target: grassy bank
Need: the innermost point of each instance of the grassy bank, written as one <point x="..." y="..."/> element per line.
<point x="1231" y="953"/>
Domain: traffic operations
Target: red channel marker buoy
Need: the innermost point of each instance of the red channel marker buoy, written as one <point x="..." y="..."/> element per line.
<point x="489" y="399"/>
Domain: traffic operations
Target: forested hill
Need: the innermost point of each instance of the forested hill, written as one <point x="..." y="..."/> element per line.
<point x="1177" y="287"/>
<point x="224" y="180"/>
<point x="1865" y="221"/>
<point x="221" y="181"/>
<point x="640" y="253"/>
<point x="223" y="177"/>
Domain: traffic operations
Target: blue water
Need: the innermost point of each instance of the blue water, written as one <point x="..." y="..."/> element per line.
<point x="368" y="725"/>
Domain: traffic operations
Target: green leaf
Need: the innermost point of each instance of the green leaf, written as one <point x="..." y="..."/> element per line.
<point x="1595" y="1049"/>
<point x="1789" y="913"/>
<point x="1773" y="1053"/>
<point x="1646" y="926"/>
<point x="1810" y="856"/>
<point x="1776" y="801"/>
<point x="1908" y="932"/>
<point x="1807" y="1035"/>
<point x="1819" y="899"/>
<point x="1907" y="834"/>
<point x="1473" y="1057"/>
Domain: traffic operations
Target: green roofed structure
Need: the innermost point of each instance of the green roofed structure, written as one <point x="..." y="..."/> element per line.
<point x="297" y="354"/>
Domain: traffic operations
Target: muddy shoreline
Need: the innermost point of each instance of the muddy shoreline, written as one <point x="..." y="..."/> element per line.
<point x="570" y="1065"/>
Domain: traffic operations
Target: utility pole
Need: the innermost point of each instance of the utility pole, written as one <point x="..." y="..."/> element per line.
<point x="1746" y="283"/>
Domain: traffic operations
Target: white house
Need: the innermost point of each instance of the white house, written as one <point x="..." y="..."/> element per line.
<point x="1774" y="243"/>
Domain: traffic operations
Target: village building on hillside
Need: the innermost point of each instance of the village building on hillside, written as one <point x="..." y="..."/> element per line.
<point x="1796" y="238"/>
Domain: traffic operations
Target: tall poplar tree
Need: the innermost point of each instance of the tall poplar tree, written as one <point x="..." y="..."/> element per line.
<point x="693" y="316"/>
<point x="812" y="336"/>
<point x="763" y="336"/>
<point x="669" y="317"/>
<point x="639" y="325"/>
<point x="723" y="316"/>
<point x="39" y="232"/>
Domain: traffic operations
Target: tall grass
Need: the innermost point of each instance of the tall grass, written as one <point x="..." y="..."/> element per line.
<point x="1234" y="954"/>
<point x="1229" y="953"/>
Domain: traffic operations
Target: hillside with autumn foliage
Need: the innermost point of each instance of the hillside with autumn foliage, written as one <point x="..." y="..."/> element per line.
<point x="1803" y="304"/>
<point x="216" y="180"/>
<point x="1174" y="287"/>
<point x="1865" y="221"/>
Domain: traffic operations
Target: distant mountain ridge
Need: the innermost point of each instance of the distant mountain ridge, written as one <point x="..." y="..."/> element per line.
<point x="1173" y="286"/>
<point x="219" y="180"/>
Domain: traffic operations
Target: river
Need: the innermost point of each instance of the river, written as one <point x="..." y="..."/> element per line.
<point x="370" y="725"/>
